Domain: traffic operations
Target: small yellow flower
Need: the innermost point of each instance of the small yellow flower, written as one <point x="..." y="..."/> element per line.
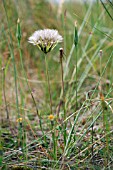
<point x="102" y="97"/>
<point x="19" y="120"/>
<point x="51" y="117"/>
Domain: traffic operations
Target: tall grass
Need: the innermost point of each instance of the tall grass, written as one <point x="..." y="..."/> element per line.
<point x="79" y="79"/>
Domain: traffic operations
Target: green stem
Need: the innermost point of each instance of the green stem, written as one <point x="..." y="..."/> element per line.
<point x="4" y="94"/>
<point x="48" y="81"/>
<point x="54" y="141"/>
<point x="92" y="148"/>
<point x="76" y="87"/>
<point x="76" y="79"/>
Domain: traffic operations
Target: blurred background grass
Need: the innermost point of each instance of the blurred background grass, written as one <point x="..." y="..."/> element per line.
<point x="40" y="14"/>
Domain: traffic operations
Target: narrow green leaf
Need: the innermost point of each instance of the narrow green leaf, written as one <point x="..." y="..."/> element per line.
<point x="76" y="35"/>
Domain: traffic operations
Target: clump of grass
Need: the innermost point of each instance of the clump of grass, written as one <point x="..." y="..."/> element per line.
<point x="69" y="127"/>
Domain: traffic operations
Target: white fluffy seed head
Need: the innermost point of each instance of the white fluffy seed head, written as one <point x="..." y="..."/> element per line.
<point x="45" y="39"/>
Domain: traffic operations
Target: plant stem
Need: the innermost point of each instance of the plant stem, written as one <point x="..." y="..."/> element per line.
<point x="76" y="79"/>
<point x="76" y="88"/>
<point x="4" y="94"/>
<point x="92" y="148"/>
<point x="62" y="74"/>
<point x="104" y="113"/>
<point x="105" y="133"/>
<point x="76" y="43"/>
<point x="52" y="123"/>
<point x="48" y="81"/>
<point x="54" y="141"/>
<point x="61" y="57"/>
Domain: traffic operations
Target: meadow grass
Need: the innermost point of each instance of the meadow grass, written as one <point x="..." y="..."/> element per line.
<point x="56" y="109"/>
